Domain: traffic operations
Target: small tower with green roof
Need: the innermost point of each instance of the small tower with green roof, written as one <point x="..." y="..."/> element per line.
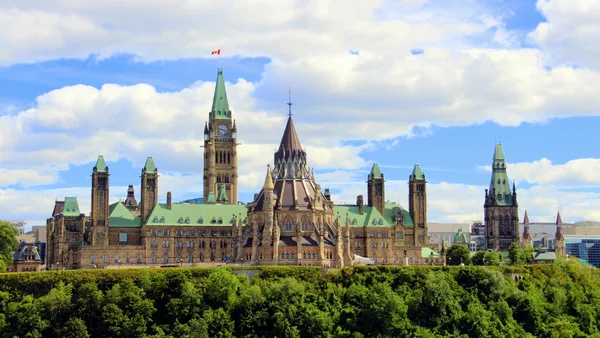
<point x="220" y="148"/>
<point x="417" y="204"/>
<point x="501" y="210"/>
<point x="149" y="189"/>
<point x="376" y="189"/>
<point x="100" y="202"/>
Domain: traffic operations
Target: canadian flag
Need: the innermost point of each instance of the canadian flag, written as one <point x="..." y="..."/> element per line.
<point x="217" y="52"/>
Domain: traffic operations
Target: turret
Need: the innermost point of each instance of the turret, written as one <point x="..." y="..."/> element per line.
<point x="149" y="189"/>
<point x="376" y="189"/>
<point x="100" y="202"/>
<point x="417" y="197"/>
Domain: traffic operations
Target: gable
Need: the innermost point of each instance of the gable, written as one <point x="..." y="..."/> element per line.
<point x="70" y="207"/>
<point x="120" y="216"/>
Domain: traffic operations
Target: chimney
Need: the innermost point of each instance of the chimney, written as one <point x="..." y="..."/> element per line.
<point x="327" y="194"/>
<point x="361" y="204"/>
<point x="169" y="203"/>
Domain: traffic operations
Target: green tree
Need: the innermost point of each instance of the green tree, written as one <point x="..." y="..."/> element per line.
<point x="458" y="254"/>
<point x="8" y="243"/>
<point x="488" y="258"/>
<point x="518" y="256"/>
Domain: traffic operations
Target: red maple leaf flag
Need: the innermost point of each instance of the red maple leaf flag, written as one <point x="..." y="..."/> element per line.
<point x="217" y="52"/>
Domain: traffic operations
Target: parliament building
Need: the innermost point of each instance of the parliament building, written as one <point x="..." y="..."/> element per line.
<point x="291" y="221"/>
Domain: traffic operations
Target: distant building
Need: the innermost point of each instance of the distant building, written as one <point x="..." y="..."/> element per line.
<point x="27" y="258"/>
<point x="39" y="233"/>
<point x="20" y="225"/>
<point x="543" y="257"/>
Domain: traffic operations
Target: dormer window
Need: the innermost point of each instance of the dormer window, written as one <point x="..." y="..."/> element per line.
<point x="503" y="181"/>
<point x="213" y="221"/>
<point x="220" y="221"/>
<point x="155" y="219"/>
<point x="380" y="221"/>
<point x="187" y="220"/>
<point x="354" y="222"/>
<point x="180" y="220"/>
<point x="162" y="219"/>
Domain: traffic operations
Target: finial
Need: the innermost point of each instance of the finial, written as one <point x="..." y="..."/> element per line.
<point x="290" y="102"/>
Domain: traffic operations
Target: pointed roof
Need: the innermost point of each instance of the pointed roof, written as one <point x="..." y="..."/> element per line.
<point x="100" y="166"/>
<point x="290" y="140"/>
<point x="559" y="233"/>
<point x="526" y="233"/>
<point x="149" y="167"/>
<point x="220" y="105"/>
<point x="526" y="218"/>
<point x="499" y="183"/>
<point x="268" y="180"/>
<point x="499" y="153"/>
<point x="558" y="218"/>
<point x="70" y="207"/>
<point x="222" y="197"/>
<point x="417" y="174"/>
<point x="211" y="198"/>
<point x="375" y="171"/>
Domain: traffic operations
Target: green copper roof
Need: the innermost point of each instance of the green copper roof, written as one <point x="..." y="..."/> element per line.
<point x="149" y="167"/>
<point x="121" y="217"/>
<point x="101" y="165"/>
<point x="462" y="237"/>
<point x="417" y="174"/>
<point x="196" y="215"/>
<point x="220" y="105"/>
<point x="71" y="207"/>
<point x="371" y="216"/>
<point x="375" y="171"/>
<point x="499" y="184"/>
<point x="222" y="197"/>
<point x="427" y="253"/>
<point x="211" y="198"/>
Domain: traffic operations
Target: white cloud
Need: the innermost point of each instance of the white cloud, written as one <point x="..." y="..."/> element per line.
<point x="570" y="31"/>
<point x="578" y="172"/>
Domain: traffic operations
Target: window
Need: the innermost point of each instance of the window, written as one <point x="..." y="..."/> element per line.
<point x="399" y="235"/>
<point x="292" y="255"/>
<point x="287" y="255"/>
<point x="162" y="220"/>
<point x="282" y="255"/>
<point x="179" y="259"/>
<point x="165" y="232"/>
<point x="373" y="235"/>
<point x="201" y="257"/>
<point x="104" y="258"/>
<point x="116" y="258"/>
<point x="288" y="224"/>
<point x="190" y="258"/>
<point x="127" y="259"/>
<point x="153" y="232"/>
<point x="165" y="244"/>
<point x="92" y="259"/>
<point x="153" y="258"/>
<point x="123" y="237"/>
<point x="190" y="244"/>
<point x="165" y="258"/>
<point x="304" y="225"/>
<point x="154" y="244"/>
<point x="139" y="258"/>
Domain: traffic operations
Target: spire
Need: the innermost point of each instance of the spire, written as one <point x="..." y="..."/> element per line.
<point x="234" y="128"/>
<point x="375" y="172"/>
<point x="206" y="128"/>
<point x="558" y="218"/>
<point x="268" y="180"/>
<point x="149" y="167"/>
<point x="290" y="102"/>
<point x="559" y="233"/>
<point x="526" y="218"/>
<point x="100" y="166"/>
<point x="499" y="183"/>
<point x="417" y="174"/>
<point x="220" y="105"/>
<point x="290" y="141"/>
<point x="526" y="234"/>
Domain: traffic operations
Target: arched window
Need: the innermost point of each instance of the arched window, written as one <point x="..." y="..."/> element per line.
<point x="165" y="258"/>
<point x="201" y="257"/>
<point x="154" y="258"/>
<point x="116" y="258"/>
<point x="228" y="157"/>
<point x="282" y="255"/>
<point x="314" y="256"/>
<point x="139" y="258"/>
<point x="292" y="255"/>
<point x="104" y="258"/>
<point x="304" y="224"/>
<point x="287" y="255"/>
<point x="127" y="259"/>
<point x="92" y="259"/>
<point x="288" y="224"/>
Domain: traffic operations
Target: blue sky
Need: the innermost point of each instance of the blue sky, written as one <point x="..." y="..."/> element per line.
<point x="429" y="82"/>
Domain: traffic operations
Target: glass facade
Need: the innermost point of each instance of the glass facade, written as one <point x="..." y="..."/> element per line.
<point x="585" y="247"/>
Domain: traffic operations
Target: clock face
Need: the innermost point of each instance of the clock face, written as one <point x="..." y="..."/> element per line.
<point x="222" y="130"/>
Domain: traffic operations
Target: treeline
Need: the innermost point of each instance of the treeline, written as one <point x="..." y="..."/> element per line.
<point x="559" y="300"/>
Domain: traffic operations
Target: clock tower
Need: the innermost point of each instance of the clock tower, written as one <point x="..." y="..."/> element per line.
<point x="220" y="150"/>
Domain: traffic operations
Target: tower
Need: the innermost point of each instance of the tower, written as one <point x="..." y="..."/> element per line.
<point x="220" y="149"/>
<point x="559" y="238"/>
<point x="149" y="187"/>
<point x="376" y="189"/>
<point x="100" y="202"/>
<point x="501" y="207"/>
<point x="526" y="240"/>
<point x="417" y="203"/>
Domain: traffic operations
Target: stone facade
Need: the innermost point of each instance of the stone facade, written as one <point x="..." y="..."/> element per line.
<point x="291" y="221"/>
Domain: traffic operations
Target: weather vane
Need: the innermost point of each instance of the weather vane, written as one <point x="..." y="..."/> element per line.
<point x="290" y="101"/>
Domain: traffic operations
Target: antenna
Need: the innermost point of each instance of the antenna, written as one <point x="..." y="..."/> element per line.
<point x="290" y="102"/>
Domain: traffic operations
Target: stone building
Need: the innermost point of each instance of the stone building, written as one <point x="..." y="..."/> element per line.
<point x="501" y="210"/>
<point x="26" y="258"/>
<point x="291" y="221"/>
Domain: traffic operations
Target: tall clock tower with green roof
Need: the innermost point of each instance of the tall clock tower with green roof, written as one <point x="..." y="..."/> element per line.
<point x="220" y="150"/>
<point x="501" y="210"/>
